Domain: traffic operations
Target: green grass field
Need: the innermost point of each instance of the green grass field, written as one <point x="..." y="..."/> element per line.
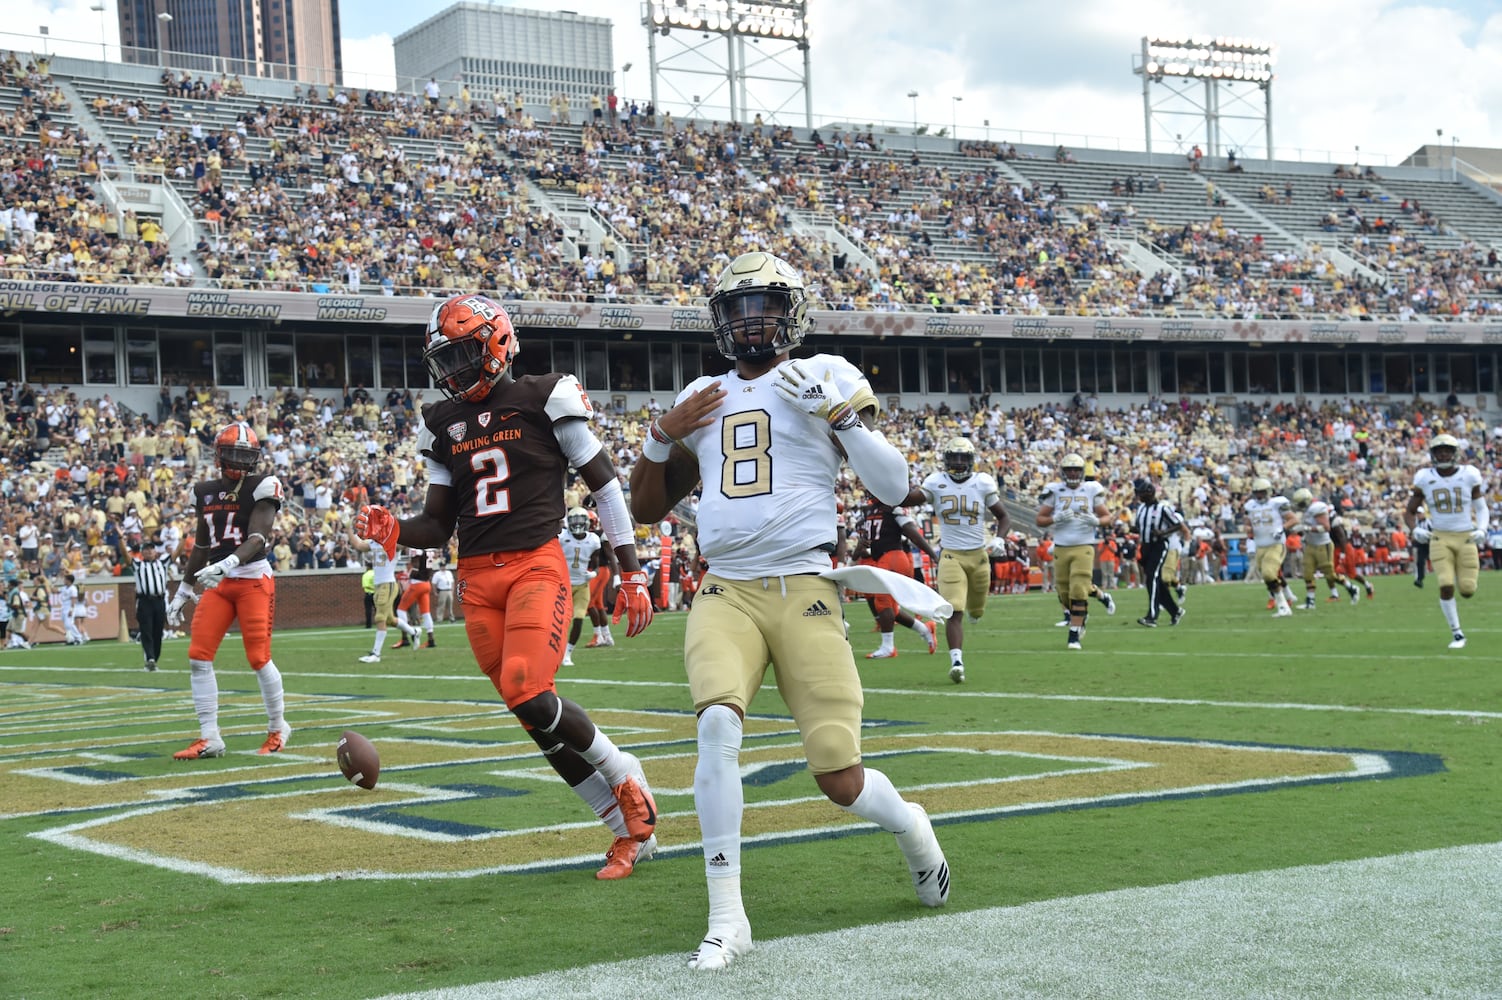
<point x="1230" y="744"/>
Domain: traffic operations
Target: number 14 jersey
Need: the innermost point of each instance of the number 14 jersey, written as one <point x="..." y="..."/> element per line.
<point x="225" y="511"/>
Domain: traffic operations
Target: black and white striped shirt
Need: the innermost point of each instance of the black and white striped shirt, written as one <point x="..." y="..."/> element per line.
<point x="1156" y="521"/>
<point x="151" y="577"/>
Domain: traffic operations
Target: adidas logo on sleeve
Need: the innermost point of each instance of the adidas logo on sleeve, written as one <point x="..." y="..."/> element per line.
<point x="817" y="609"/>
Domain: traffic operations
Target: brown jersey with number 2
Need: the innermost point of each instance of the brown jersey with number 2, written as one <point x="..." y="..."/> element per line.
<point x="504" y="461"/>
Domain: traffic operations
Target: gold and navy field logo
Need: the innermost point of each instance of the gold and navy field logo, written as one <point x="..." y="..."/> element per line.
<point x="464" y="792"/>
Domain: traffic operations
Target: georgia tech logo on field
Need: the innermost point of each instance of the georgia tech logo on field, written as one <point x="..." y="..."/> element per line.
<point x="464" y="792"/>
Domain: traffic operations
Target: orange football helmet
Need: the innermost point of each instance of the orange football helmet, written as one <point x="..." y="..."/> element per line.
<point x="238" y="450"/>
<point x="470" y="344"/>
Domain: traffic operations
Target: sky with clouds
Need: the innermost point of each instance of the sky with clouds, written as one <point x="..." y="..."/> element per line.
<point x="1378" y="75"/>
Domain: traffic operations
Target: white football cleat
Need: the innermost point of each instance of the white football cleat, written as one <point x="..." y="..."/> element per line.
<point x="720" y="947"/>
<point x="370" y="658"/>
<point x="1458" y="641"/>
<point x="925" y="859"/>
<point x="568" y="661"/>
<point x="882" y="654"/>
<point x="957" y="673"/>
<point x="1109" y="602"/>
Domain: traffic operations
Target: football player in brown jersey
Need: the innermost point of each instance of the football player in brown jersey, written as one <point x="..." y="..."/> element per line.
<point x="235" y="514"/>
<point x="497" y="449"/>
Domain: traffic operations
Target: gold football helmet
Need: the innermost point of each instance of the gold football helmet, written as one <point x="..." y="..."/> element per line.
<point x="759" y="307"/>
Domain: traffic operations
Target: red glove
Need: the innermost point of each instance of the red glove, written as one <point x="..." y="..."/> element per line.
<point x="633" y="601"/>
<point x="377" y="525"/>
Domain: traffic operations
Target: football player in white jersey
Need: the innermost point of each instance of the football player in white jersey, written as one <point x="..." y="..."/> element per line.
<point x="767" y="440"/>
<point x="1319" y="550"/>
<point x="1457" y="509"/>
<point x="581" y="550"/>
<point x="1270" y="518"/>
<point x="961" y="497"/>
<point x="1074" y="507"/>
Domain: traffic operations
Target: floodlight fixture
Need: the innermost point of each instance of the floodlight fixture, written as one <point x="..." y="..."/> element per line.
<point x="1219" y="65"/>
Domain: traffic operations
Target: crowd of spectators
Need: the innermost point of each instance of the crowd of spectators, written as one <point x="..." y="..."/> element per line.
<point x="337" y="189"/>
<point x="80" y="475"/>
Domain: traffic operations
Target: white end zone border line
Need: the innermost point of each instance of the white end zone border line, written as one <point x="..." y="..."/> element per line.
<point x="1351" y="929"/>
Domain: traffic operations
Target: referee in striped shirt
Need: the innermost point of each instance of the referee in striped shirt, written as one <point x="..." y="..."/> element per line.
<point x="150" y="572"/>
<point x="1157" y="521"/>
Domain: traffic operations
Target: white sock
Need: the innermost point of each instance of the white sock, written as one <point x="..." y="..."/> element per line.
<point x="427" y="623"/>
<point x="570" y="650"/>
<point x="956" y="656"/>
<point x="596" y="793"/>
<point x="719" y="798"/>
<point x="607" y="759"/>
<point x="887" y="643"/>
<point x="599" y="632"/>
<point x="920" y="627"/>
<point x="205" y="697"/>
<point x="380" y="640"/>
<point x="271" y="693"/>
<point x="880" y="803"/>
<point x="1452" y="613"/>
<point x="725" y="906"/>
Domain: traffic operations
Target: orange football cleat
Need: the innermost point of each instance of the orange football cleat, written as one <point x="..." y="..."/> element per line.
<point x="201" y="748"/>
<point x="638" y="809"/>
<point x="276" y="740"/>
<point x="623" y="856"/>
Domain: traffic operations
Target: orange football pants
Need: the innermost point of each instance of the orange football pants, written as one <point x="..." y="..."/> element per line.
<point x="597" y="585"/>
<point x="417" y="593"/>
<point x="899" y="562"/>
<point x="252" y="601"/>
<point x="518" y="607"/>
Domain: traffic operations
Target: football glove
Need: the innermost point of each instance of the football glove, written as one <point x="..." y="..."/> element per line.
<point x="1086" y="517"/>
<point x="1297" y="529"/>
<point x="1421" y="535"/>
<point x="1478" y="538"/>
<point x="814" y="396"/>
<point x="634" y="602"/>
<point x="179" y="601"/>
<point x="377" y="525"/>
<point x="211" y="574"/>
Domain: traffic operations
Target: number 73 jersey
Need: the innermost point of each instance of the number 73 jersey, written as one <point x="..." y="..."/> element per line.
<point x="1449" y="497"/>
<point x="962" y="508"/>
<point x="769" y="472"/>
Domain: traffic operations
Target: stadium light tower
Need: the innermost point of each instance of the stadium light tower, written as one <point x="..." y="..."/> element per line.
<point x="764" y="43"/>
<point x="1234" y="73"/>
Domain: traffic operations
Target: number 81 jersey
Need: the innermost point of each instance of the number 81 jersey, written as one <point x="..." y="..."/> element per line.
<point x="769" y="472"/>
<point x="225" y="512"/>
<point x="1449" y="497"/>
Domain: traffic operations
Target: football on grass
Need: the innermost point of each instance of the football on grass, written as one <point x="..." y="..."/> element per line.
<point x="358" y="759"/>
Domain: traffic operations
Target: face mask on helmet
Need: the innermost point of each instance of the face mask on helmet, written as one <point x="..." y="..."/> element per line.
<point x="470" y="345"/>
<point x="759" y="308"/>
<point x="959" y="463"/>
<point x="578" y="524"/>
<point x="238" y="451"/>
<point x="1443" y="456"/>
<point x="1073" y="470"/>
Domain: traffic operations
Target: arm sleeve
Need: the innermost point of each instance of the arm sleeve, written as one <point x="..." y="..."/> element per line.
<point x="1483" y="513"/>
<point x="615" y="519"/>
<point x="578" y="442"/>
<point x="880" y="465"/>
